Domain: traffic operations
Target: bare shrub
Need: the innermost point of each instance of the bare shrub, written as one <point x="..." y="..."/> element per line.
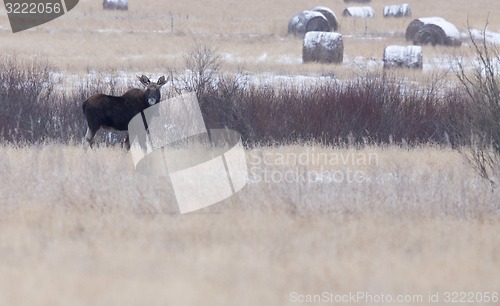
<point x="216" y="93"/>
<point x="203" y="64"/>
<point x="482" y="87"/>
<point x="26" y="88"/>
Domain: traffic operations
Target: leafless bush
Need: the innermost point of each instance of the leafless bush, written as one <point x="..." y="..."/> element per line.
<point x="482" y="87"/>
<point x="203" y="64"/>
<point x="26" y="88"/>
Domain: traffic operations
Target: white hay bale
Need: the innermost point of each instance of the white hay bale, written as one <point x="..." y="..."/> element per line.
<point x="329" y="15"/>
<point x="323" y="47"/>
<point x="307" y="21"/>
<point x="397" y="10"/>
<point x="433" y="30"/>
<point x="359" y="12"/>
<point x="403" y="56"/>
<point x="115" y="5"/>
<point x="358" y="1"/>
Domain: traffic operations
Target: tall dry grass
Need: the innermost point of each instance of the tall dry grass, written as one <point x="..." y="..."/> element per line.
<point x="81" y="227"/>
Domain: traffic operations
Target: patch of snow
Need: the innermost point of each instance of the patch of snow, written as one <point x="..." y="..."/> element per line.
<point x="262" y="58"/>
<point x="490" y="37"/>
<point x="283" y="59"/>
<point x="289" y="60"/>
<point x="362" y="63"/>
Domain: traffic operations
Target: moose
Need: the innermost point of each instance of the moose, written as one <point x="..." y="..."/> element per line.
<point x="114" y="113"/>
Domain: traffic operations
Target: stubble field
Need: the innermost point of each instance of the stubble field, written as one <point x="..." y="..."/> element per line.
<point x="382" y="223"/>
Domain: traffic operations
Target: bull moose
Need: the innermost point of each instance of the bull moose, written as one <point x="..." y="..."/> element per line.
<point x="114" y="113"/>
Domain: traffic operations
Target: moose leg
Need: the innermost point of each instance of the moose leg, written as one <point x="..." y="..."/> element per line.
<point x="89" y="136"/>
<point x="126" y="144"/>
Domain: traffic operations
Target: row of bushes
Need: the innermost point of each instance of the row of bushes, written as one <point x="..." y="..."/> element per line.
<point x="374" y="109"/>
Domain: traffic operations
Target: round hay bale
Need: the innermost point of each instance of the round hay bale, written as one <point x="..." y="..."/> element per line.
<point x="323" y="47"/>
<point x="433" y="30"/>
<point x="398" y="10"/>
<point x="403" y="56"/>
<point x="359" y="12"/>
<point x="307" y="21"/>
<point x="329" y="15"/>
<point x="115" y="5"/>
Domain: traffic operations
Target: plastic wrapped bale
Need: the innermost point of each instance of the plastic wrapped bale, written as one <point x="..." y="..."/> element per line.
<point x="329" y="15"/>
<point x="323" y="47"/>
<point x="397" y="10"/>
<point x="115" y="5"/>
<point x="434" y="31"/>
<point x="307" y="21"/>
<point x="359" y="12"/>
<point x="403" y="56"/>
<point x="358" y="1"/>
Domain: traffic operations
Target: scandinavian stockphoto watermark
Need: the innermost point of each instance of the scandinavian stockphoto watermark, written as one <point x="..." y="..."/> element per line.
<point x="169" y="139"/>
<point x="310" y="166"/>
<point x="26" y="14"/>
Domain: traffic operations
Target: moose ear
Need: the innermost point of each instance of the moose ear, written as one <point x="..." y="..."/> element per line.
<point x="162" y="81"/>
<point x="144" y="80"/>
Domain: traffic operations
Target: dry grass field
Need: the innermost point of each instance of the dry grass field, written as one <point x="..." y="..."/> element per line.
<point x="314" y="224"/>
<point x="82" y="228"/>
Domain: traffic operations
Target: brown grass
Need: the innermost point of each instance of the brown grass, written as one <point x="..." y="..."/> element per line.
<point x="82" y="228"/>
